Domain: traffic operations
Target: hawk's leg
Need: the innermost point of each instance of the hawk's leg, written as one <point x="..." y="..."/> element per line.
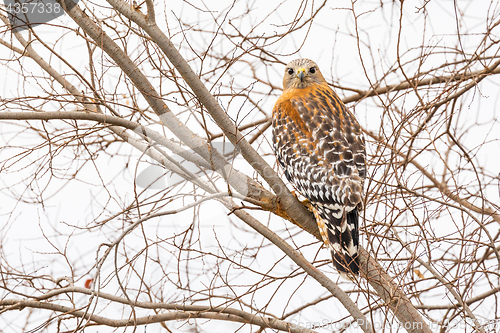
<point x="305" y="202"/>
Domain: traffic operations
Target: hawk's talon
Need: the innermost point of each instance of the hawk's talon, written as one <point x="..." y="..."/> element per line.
<point x="305" y="202"/>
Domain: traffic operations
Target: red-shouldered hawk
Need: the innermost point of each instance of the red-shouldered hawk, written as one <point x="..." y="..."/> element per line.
<point x="321" y="148"/>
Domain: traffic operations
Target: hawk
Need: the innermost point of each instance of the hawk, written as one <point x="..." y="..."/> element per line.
<point x="321" y="148"/>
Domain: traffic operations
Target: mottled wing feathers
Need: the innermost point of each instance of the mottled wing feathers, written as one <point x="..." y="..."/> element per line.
<point x="319" y="143"/>
<point x="320" y="146"/>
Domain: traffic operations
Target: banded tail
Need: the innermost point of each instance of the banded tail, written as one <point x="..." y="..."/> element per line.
<point x="339" y="229"/>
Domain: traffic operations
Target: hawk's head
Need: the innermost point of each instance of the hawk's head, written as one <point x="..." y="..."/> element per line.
<point x="302" y="73"/>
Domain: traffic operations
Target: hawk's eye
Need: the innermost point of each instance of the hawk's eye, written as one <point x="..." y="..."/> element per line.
<point x="312" y="70"/>
<point x="289" y="71"/>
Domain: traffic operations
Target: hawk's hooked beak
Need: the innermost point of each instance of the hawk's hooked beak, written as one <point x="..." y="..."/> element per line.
<point x="301" y="74"/>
